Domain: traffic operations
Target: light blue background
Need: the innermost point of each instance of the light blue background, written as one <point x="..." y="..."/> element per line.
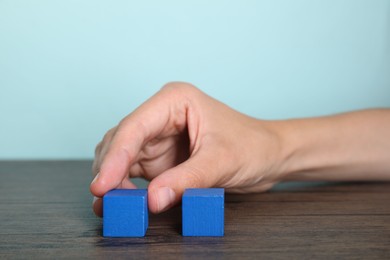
<point x="70" y="70"/>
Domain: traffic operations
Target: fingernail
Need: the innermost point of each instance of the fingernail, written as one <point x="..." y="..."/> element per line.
<point x="166" y="197"/>
<point x="96" y="177"/>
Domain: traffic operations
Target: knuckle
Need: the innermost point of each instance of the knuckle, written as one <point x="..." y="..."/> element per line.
<point x="177" y="87"/>
<point x="108" y="135"/>
<point x="98" y="148"/>
<point x="135" y="127"/>
<point x="129" y="153"/>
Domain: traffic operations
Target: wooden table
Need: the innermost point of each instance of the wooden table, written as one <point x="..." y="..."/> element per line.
<point x="45" y="212"/>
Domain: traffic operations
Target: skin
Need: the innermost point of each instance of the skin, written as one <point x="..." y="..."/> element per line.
<point x="181" y="138"/>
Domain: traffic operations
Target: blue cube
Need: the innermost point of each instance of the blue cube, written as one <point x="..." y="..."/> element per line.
<point x="125" y="213"/>
<point x="203" y="212"/>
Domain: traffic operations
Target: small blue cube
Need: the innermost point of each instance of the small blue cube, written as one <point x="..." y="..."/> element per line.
<point x="203" y="212"/>
<point x="125" y="213"/>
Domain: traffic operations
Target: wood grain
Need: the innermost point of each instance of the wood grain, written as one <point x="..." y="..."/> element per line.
<point x="45" y="212"/>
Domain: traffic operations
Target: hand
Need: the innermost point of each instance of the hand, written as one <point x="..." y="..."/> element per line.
<point x="181" y="138"/>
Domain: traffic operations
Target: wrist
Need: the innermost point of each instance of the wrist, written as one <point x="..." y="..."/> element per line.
<point x="292" y="143"/>
<point x="277" y="148"/>
<point x="310" y="147"/>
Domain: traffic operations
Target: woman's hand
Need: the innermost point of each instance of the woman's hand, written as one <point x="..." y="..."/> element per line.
<point x="181" y="138"/>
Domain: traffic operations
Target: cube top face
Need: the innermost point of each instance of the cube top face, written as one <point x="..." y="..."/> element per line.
<point x="126" y="192"/>
<point x="125" y="213"/>
<point x="203" y="212"/>
<point x="211" y="192"/>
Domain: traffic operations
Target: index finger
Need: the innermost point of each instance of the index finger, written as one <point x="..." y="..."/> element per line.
<point x="153" y="118"/>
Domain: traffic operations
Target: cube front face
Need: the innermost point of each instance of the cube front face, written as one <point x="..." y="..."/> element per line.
<point x="203" y="212"/>
<point x="125" y="213"/>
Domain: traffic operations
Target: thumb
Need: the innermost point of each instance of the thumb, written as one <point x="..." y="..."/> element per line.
<point x="166" y="190"/>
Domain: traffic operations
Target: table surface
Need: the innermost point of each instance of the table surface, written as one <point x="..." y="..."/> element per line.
<point x="45" y="212"/>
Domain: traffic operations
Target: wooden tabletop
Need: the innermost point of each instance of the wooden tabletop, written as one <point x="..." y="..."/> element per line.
<point x="45" y="212"/>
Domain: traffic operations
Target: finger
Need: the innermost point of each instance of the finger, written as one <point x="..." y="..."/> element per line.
<point x="96" y="163"/>
<point x="150" y="120"/>
<point x="167" y="189"/>
<point x="121" y="153"/>
<point x="127" y="184"/>
<point x="97" y="206"/>
<point x="136" y="171"/>
<point x="101" y="150"/>
<point x="97" y="203"/>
